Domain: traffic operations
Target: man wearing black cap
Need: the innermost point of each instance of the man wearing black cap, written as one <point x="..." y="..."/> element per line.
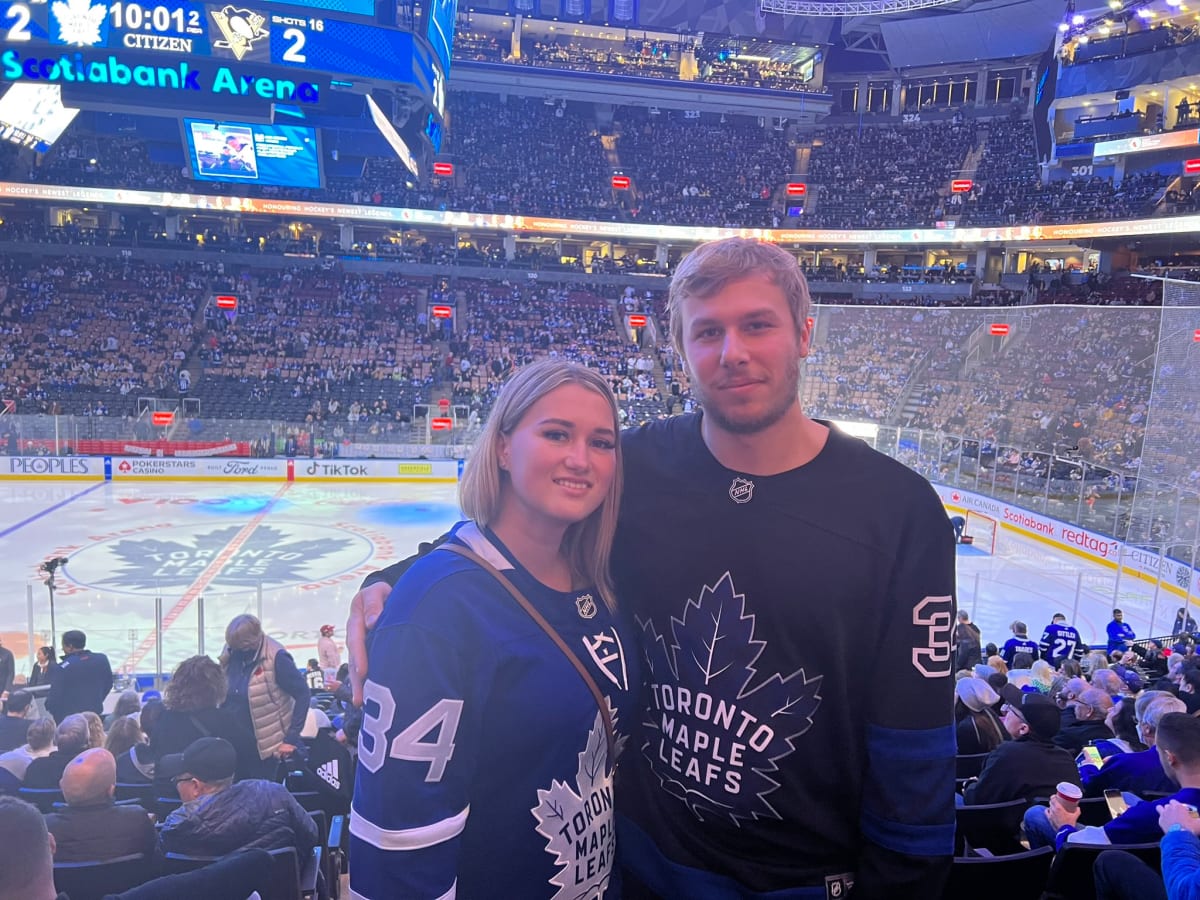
<point x="218" y="816"/>
<point x="83" y="681"/>
<point x="1029" y="765"/>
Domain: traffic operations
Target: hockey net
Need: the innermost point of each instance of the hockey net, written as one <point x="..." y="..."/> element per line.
<point x="982" y="530"/>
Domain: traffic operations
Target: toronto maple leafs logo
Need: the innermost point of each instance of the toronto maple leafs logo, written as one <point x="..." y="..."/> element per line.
<point x="79" y="21"/>
<point x="577" y="821"/>
<point x="266" y="555"/>
<point x="715" y="729"/>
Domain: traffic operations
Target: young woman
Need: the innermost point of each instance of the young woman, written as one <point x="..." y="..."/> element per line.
<point x="485" y="759"/>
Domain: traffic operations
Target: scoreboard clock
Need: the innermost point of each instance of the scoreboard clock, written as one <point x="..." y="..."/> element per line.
<point x="249" y="52"/>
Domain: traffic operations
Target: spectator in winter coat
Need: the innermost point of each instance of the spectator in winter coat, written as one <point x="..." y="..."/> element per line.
<point x="1029" y="765"/>
<point x="218" y="816"/>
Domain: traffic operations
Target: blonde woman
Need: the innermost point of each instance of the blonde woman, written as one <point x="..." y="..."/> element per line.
<point x="485" y="759"/>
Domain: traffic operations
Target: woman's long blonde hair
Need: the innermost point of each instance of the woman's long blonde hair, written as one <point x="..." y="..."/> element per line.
<point x="587" y="545"/>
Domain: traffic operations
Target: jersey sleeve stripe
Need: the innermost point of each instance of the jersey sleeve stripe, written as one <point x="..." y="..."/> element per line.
<point x="909" y="839"/>
<point x="449" y="895"/>
<point x="408" y="838"/>
<point x="910" y="744"/>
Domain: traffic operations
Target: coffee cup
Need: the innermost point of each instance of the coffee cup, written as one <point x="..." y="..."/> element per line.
<point x="1069" y="796"/>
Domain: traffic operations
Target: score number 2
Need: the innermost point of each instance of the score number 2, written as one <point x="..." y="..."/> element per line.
<point x="295" y="51"/>
<point x="297" y="38"/>
<point x="19" y="29"/>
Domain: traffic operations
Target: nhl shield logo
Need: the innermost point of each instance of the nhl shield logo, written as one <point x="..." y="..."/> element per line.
<point x="741" y="491"/>
<point x="586" y="606"/>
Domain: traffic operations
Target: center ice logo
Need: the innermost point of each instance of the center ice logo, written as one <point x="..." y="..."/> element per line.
<point x="716" y="730"/>
<point x="268" y="555"/>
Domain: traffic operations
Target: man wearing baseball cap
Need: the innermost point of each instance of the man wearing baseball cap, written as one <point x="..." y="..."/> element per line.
<point x="218" y="816"/>
<point x="1029" y="765"/>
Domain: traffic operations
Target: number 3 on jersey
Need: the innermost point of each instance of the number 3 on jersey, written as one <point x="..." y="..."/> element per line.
<point x="408" y="744"/>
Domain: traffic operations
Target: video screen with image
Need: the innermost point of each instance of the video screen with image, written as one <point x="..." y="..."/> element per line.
<point x="287" y="155"/>
<point x="33" y="115"/>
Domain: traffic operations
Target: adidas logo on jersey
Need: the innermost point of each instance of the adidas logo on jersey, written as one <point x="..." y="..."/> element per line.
<point x="328" y="773"/>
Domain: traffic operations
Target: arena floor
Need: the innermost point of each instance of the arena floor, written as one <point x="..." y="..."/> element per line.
<point x="200" y="545"/>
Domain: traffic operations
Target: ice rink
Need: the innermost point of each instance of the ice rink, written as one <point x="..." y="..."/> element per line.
<point x="296" y="552"/>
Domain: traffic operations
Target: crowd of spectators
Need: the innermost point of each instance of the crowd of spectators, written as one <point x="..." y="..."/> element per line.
<point x="703" y="171"/>
<point x="525" y="156"/>
<point x="887" y="176"/>
<point x="348" y="350"/>
<point x="1050" y="744"/>
<point x="1094" y="398"/>
<point x="636" y="57"/>
<point x="80" y="334"/>
<point x="863" y="358"/>
<point x="341" y="356"/>
<point x="181" y="772"/>
<point x="507" y="326"/>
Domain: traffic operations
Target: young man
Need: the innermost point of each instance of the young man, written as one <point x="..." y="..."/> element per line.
<point x="1060" y="642"/>
<point x="83" y="681"/>
<point x="1120" y="635"/>
<point x="758" y="549"/>
<point x="1018" y="643"/>
<point x="967" y="642"/>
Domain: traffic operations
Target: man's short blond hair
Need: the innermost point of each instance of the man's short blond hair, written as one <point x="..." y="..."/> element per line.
<point x="710" y="267"/>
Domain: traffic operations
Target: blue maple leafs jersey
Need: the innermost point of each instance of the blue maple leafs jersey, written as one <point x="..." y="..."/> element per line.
<point x="1060" y="642"/>
<point x="1015" y="645"/>
<point x="797" y="730"/>
<point x="483" y="762"/>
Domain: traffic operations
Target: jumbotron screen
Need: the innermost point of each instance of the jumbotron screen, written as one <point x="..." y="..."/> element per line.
<point x="288" y="155"/>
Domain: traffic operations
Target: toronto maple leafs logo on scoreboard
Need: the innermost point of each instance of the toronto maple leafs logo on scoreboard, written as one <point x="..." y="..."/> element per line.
<point x="79" y="23"/>
<point x="716" y="726"/>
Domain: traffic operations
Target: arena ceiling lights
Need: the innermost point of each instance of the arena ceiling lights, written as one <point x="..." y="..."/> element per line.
<point x="847" y="7"/>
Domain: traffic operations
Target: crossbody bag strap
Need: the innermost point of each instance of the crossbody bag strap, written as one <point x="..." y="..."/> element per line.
<point x="601" y="702"/>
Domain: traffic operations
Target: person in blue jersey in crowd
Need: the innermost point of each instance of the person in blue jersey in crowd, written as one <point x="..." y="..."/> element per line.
<point x="486" y="762"/>
<point x="1178" y="748"/>
<point x="1020" y="642"/>
<point x="1060" y="641"/>
<point x="1120" y="635"/>
<point x="795" y="596"/>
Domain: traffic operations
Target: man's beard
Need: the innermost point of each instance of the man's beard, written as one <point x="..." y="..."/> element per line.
<point x="776" y="411"/>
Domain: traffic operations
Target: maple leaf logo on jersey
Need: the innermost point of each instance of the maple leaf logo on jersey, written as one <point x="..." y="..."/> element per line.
<point x="716" y="730"/>
<point x="79" y="21"/>
<point x="577" y="822"/>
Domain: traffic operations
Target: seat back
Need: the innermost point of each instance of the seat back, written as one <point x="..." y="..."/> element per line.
<point x="43" y="798"/>
<point x="143" y="793"/>
<point x="94" y="880"/>
<point x="994" y="826"/>
<point x="1019" y="876"/>
<point x="1094" y="811"/>
<point x="969" y="766"/>
<point x="285" y="875"/>
<point x="163" y="807"/>
<point x="1071" y="875"/>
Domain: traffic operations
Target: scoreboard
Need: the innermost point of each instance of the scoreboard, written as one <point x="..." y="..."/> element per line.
<point x="241" y="57"/>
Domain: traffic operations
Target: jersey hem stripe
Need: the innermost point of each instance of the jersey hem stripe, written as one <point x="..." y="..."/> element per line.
<point x="408" y="838"/>
<point x="449" y="895"/>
